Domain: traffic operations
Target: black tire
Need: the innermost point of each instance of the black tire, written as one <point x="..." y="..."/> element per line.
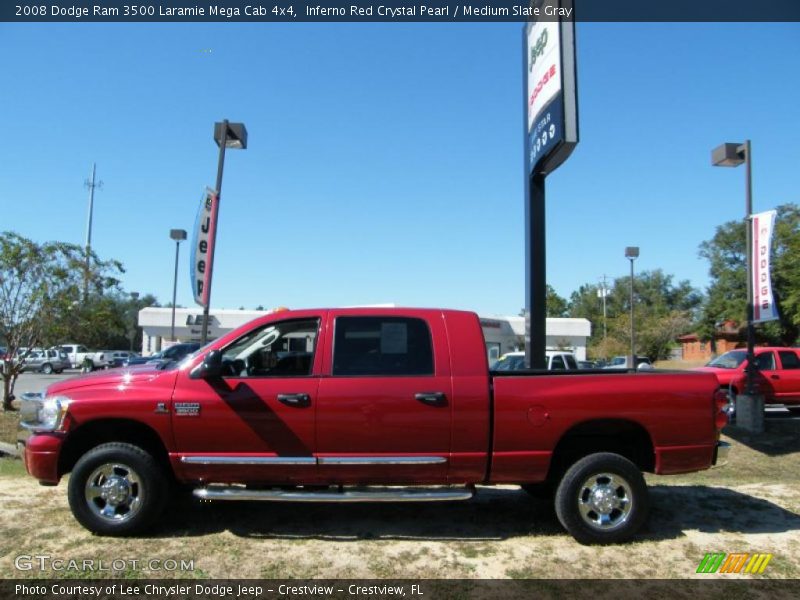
<point x="596" y="509"/>
<point x="47" y="368"/>
<point x="135" y="486"/>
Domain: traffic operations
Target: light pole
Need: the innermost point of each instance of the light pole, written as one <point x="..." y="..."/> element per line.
<point x="632" y="253"/>
<point x="178" y="235"/>
<point x="733" y="155"/>
<point x="226" y="135"/>
<point x="134" y="298"/>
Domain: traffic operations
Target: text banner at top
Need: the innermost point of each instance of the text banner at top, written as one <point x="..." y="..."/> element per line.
<point x="128" y="11"/>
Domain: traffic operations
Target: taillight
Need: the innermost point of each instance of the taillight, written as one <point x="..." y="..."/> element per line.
<point x="722" y="408"/>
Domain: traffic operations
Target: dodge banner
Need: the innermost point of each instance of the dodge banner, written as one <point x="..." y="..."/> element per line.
<point x="764" y="308"/>
<point x="203" y="247"/>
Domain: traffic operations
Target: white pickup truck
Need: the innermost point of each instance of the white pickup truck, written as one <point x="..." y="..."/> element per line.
<point x="78" y="353"/>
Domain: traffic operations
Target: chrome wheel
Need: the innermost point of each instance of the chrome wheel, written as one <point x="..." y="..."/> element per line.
<point x="114" y="492"/>
<point x="605" y="501"/>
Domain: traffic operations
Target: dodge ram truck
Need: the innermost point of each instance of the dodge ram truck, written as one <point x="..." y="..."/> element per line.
<point x="382" y="405"/>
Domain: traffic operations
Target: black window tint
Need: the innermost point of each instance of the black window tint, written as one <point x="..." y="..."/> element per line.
<point x="571" y="362"/>
<point x="558" y="363"/>
<point x="382" y="346"/>
<point x="789" y="360"/>
<point x="766" y="361"/>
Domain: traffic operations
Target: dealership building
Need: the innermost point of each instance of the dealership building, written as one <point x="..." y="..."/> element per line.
<point x="503" y="334"/>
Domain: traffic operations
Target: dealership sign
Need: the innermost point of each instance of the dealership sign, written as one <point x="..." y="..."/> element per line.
<point x="203" y="247"/>
<point x="764" y="309"/>
<point x="551" y="100"/>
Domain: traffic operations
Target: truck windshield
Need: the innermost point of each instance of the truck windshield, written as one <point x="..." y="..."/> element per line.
<point x="729" y="360"/>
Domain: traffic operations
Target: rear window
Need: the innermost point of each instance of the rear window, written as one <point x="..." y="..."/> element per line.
<point x="382" y="346"/>
<point x="789" y="360"/>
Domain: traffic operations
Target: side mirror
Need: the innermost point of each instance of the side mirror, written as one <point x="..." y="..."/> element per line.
<point x="210" y="368"/>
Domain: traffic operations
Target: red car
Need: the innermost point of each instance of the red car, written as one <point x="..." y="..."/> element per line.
<point x="313" y="405"/>
<point x="778" y="376"/>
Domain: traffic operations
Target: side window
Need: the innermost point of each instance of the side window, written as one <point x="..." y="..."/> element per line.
<point x="382" y="346"/>
<point x="284" y="349"/>
<point x="557" y="363"/>
<point x="766" y="361"/>
<point x="789" y="360"/>
<point x="82" y="349"/>
<point x="571" y="362"/>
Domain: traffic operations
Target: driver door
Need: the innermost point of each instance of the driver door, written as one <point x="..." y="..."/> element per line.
<point x="256" y="422"/>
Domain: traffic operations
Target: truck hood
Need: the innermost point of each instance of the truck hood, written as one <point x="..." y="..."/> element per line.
<point x="114" y="378"/>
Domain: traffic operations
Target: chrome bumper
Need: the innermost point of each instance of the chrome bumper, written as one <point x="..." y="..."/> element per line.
<point x="721" y="454"/>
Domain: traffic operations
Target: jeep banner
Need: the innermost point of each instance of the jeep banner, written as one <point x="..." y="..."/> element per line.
<point x="202" y="257"/>
<point x="764" y="308"/>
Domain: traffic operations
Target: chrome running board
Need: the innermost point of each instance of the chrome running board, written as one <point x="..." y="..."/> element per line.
<point x="380" y="494"/>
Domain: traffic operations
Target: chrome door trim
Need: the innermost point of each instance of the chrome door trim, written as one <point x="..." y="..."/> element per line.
<point x="249" y="460"/>
<point x="381" y="460"/>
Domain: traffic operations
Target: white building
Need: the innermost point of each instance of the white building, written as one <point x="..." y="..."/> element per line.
<point x="503" y="334"/>
<point x="506" y="334"/>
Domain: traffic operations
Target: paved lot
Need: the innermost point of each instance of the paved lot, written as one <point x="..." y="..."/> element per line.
<point x="37" y="382"/>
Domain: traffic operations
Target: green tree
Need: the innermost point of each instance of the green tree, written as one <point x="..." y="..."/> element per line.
<point x="727" y="294"/>
<point x="39" y="283"/>
<point x="662" y="309"/>
<point x="555" y="305"/>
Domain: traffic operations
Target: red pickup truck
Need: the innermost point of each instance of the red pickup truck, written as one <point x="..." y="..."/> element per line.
<point x="777" y="376"/>
<point x="389" y="405"/>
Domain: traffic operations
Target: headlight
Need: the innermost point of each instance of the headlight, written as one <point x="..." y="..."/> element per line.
<point x="44" y="414"/>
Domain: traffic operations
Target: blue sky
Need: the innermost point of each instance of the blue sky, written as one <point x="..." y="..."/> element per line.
<point x="385" y="160"/>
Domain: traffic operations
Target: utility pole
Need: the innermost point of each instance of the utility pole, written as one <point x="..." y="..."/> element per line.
<point x="603" y="292"/>
<point x="91" y="184"/>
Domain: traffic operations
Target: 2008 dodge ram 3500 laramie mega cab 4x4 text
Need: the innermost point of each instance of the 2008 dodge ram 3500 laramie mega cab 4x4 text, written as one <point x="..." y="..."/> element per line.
<point x="328" y="405"/>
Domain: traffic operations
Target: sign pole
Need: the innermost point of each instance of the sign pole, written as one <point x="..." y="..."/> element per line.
<point x="536" y="270"/>
<point x="213" y="239"/>
<point x="550" y="117"/>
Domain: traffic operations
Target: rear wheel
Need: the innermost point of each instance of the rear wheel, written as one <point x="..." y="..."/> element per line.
<point x="117" y="489"/>
<point x="602" y="499"/>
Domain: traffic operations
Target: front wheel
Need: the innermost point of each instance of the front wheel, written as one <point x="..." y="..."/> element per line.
<point x="47" y="368"/>
<point x="602" y="499"/>
<point x="117" y="489"/>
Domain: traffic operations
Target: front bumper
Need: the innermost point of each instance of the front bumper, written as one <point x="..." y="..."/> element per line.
<point x="721" y="454"/>
<point x="41" y="457"/>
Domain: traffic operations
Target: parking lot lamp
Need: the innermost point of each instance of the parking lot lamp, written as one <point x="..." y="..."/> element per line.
<point x="178" y="235"/>
<point x="226" y="135"/>
<point x="733" y="155"/>
<point x="632" y="253"/>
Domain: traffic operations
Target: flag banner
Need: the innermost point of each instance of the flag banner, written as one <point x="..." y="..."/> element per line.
<point x="764" y="308"/>
<point x="202" y="257"/>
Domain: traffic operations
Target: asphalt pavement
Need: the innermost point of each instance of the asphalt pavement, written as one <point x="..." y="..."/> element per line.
<point x="37" y="382"/>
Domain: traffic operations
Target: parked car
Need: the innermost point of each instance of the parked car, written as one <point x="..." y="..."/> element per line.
<point x="312" y="405"/>
<point x="587" y="364"/>
<point x="556" y="361"/>
<point x="622" y="362"/>
<point x="52" y="360"/>
<point x="777" y="378"/>
<point x="117" y="358"/>
<point x="175" y="353"/>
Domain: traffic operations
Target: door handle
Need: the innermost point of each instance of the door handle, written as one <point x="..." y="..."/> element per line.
<point x="432" y="398"/>
<point x="295" y="400"/>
